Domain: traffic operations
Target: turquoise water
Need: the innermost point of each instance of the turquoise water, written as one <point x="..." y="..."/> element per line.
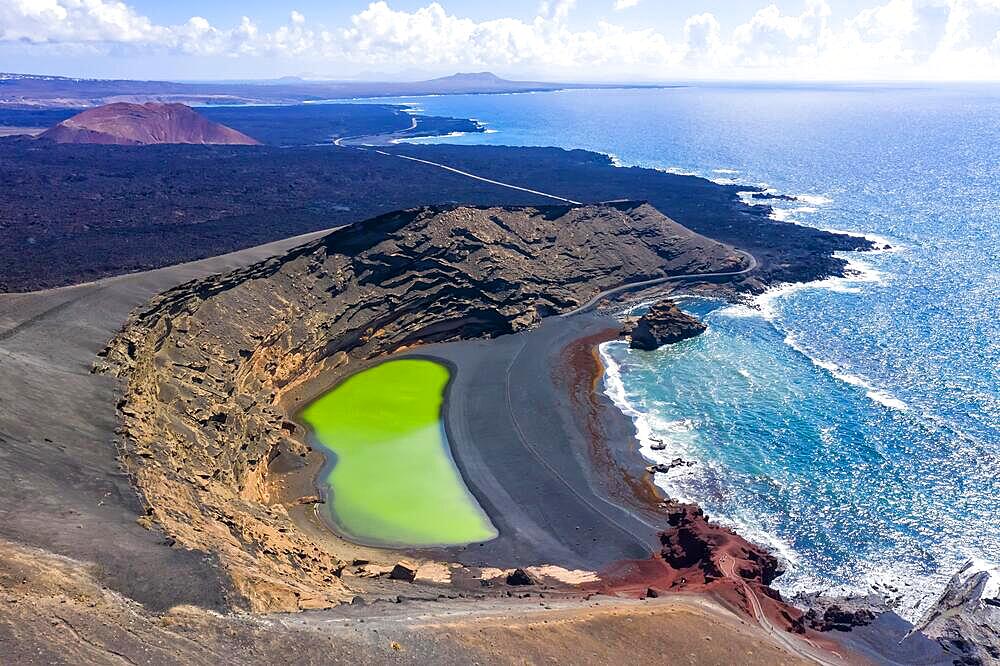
<point x="852" y="425"/>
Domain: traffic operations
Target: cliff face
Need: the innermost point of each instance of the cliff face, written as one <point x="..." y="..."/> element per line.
<point x="143" y="124"/>
<point x="211" y="367"/>
<point x="965" y="620"/>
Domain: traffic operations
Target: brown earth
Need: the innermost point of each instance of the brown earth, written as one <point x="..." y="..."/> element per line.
<point x="54" y="611"/>
<point x="128" y="124"/>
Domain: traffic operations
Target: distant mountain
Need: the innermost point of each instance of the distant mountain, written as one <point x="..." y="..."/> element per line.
<point x="483" y="82"/>
<point x="127" y="124"/>
<point x="473" y="79"/>
<point x="31" y="91"/>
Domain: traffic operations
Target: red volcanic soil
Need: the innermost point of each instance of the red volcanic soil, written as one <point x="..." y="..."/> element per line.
<point x="700" y="556"/>
<point x="143" y="124"/>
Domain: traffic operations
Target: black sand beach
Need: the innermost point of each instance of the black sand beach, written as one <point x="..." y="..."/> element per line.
<point x="524" y="450"/>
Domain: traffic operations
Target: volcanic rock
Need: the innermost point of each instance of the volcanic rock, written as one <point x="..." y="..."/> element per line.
<point x="965" y="620"/>
<point x="253" y="340"/>
<point x="403" y="571"/>
<point x="520" y="577"/>
<point x="127" y="124"/>
<point x="836" y="617"/>
<point x="772" y="196"/>
<point x="664" y="324"/>
<point x="694" y="545"/>
<point x="663" y="468"/>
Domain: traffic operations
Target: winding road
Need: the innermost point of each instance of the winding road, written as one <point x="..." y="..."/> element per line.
<point x="339" y="142"/>
<point x="751" y="260"/>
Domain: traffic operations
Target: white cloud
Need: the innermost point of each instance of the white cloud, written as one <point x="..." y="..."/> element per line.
<point x="557" y="10"/>
<point x="958" y="39"/>
<point x="703" y="40"/>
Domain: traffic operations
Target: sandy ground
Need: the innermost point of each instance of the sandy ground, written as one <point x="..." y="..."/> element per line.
<point x="61" y="488"/>
<point x="525" y="454"/>
<point x="53" y="611"/>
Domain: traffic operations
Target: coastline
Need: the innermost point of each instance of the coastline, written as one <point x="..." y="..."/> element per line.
<point x="592" y="443"/>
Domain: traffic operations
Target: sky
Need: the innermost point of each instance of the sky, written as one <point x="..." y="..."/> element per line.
<point x="551" y="40"/>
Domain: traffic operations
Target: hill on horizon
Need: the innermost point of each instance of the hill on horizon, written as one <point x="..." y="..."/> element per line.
<point x="126" y="124"/>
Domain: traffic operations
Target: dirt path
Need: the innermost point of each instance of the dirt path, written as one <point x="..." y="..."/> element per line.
<point x="803" y="647"/>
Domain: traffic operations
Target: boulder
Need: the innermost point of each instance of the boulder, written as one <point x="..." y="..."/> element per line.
<point x="403" y="571"/>
<point x="664" y="324"/>
<point x="520" y="577"/>
<point x="838" y="618"/>
<point x="965" y="620"/>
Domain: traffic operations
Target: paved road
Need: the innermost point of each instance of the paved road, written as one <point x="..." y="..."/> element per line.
<point x="480" y="178"/>
<point x="339" y="141"/>
<point x="751" y="260"/>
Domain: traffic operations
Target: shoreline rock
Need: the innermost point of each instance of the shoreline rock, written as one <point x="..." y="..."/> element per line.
<point x="965" y="620"/>
<point x="772" y="196"/>
<point x="663" y="324"/>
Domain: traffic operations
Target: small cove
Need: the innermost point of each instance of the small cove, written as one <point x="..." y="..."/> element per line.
<point x="392" y="481"/>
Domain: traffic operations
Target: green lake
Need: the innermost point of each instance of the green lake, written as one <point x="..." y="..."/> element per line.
<point x="393" y="481"/>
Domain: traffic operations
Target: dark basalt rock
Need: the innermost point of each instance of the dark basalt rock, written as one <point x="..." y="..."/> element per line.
<point x="965" y="620"/>
<point x="664" y="324"/>
<point x="772" y="196"/>
<point x="838" y="618"/>
<point x="520" y="577"/>
<point x="403" y="571"/>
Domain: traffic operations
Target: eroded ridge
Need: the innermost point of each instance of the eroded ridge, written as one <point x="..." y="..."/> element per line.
<point x="212" y="368"/>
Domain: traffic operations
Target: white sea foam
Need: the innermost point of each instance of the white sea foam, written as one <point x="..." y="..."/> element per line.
<point x="876" y="395"/>
<point x="677" y="482"/>
<point x="615" y="160"/>
<point x="425" y="139"/>
<point x="765" y="305"/>
<point x="882" y="243"/>
<point x="677" y="171"/>
<point x="648" y="428"/>
<point x="814" y="199"/>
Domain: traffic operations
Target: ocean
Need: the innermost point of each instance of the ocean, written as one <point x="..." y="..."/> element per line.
<point x="851" y="425"/>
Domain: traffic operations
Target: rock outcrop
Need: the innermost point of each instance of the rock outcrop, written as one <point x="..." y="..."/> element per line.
<point x="965" y="620"/>
<point x="697" y="555"/>
<point x="840" y="614"/>
<point x="663" y="324"/>
<point x="694" y="545"/>
<point x="127" y="124"/>
<point x="213" y="368"/>
<point x="772" y="196"/>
